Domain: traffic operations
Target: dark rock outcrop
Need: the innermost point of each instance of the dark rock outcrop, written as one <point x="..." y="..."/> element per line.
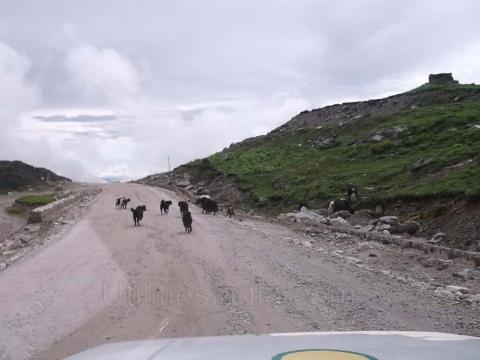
<point x="442" y="79"/>
<point x="16" y="175"/>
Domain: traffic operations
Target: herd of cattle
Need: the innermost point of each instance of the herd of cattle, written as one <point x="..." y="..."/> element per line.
<point x="350" y="201"/>
<point x="209" y="206"/>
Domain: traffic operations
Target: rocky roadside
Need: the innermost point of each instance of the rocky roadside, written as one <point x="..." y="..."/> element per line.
<point x="61" y="217"/>
<point x="423" y="263"/>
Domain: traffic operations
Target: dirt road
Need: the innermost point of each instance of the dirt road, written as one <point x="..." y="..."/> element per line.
<point x="110" y="281"/>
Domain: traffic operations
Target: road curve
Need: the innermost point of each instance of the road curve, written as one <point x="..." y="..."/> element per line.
<point x="110" y="281"/>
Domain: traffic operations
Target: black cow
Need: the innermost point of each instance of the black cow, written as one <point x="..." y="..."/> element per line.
<point x="164" y="205"/>
<point x="187" y="221"/>
<point x="208" y="205"/>
<point x="230" y="212"/>
<point x="138" y="214"/>
<point x="124" y="203"/>
<point x="183" y="205"/>
<point x="340" y="204"/>
<point x="118" y="203"/>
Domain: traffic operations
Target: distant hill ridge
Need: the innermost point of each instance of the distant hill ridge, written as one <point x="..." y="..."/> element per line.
<point x="440" y="89"/>
<point x="16" y="175"/>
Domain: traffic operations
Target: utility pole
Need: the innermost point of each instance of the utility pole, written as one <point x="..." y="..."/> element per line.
<point x="168" y="159"/>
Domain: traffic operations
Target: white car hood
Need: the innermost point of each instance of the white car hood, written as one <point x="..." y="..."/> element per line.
<point x="296" y="346"/>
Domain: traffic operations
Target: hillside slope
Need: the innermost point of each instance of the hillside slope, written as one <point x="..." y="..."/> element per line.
<point x="423" y="145"/>
<point x="15" y="175"/>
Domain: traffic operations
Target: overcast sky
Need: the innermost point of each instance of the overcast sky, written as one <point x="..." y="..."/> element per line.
<point x="96" y="89"/>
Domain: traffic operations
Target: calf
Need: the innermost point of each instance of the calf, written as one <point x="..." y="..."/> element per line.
<point x="164" y="205"/>
<point x="230" y="211"/>
<point x="352" y="193"/>
<point x="118" y="203"/>
<point x="124" y="203"/>
<point x="187" y="221"/>
<point x="183" y="205"/>
<point x="138" y="214"/>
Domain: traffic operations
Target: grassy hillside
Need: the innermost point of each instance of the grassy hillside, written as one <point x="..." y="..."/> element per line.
<point x="15" y="175"/>
<point x="314" y="165"/>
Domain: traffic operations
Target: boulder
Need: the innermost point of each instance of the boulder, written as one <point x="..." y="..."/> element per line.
<point x="306" y="244"/>
<point x="437" y="238"/>
<point x="202" y="191"/>
<point x="34" y="217"/>
<point x="382" y="227"/>
<point x="465" y="274"/>
<point x="344" y="214"/>
<point x="394" y="131"/>
<point x="422" y="163"/>
<point x="391" y="220"/>
<point x="426" y="261"/>
<point x="442" y="264"/>
<point x="441" y="292"/>
<point x="455" y="289"/>
<point x="324" y="142"/>
<point x="376" y="138"/>
<point x="182" y="183"/>
<point x="474" y="298"/>
<point x="303" y="214"/>
<point x="410" y="228"/>
<point x="339" y="221"/>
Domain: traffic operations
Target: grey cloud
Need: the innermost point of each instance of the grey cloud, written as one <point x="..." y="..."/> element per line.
<point x="76" y="119"/>
<point x="185" y="70"/>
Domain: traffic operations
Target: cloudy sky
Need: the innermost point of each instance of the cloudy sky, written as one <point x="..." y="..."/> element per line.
<point x="98" y="89"/>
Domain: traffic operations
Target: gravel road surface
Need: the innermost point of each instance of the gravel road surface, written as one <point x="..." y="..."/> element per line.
<point x="108" y="281"/>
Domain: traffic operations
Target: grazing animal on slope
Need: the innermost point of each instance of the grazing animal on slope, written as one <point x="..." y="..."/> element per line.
<point x="183" y="205"/>
<point x="124" y="203"/>
<point x="164" y="205"/>
<point x="340" y="204"/>
<point x="187" y="221"/>
<point x="138" y="214"/>
<point x="208" y="205"/>
<point x="352" y="193"/>
<point x="230" y="211"/>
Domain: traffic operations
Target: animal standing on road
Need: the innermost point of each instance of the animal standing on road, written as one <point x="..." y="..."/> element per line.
<point x="164" y="205"/>
<point x="118" y="203"/>
<point x="187" y="221"/>
<point x="183" y="205"/>
<point x="230" y="211"/>
<point x="208" y="205"/>
<point x="124" y="203"/>
<point x="138" y="214"/>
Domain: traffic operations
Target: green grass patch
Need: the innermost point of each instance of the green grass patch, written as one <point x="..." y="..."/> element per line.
<point x="12" y="210"/>
<point x="36" y="200"/>
<point x="289" y="167"/>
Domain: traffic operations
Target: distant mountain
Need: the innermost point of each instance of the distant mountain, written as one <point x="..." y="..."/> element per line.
<point x="15" y="175"/>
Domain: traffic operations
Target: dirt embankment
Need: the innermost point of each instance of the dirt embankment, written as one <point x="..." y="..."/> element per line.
<point x="20" y="236"/>
<point x="457" y="218"/>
